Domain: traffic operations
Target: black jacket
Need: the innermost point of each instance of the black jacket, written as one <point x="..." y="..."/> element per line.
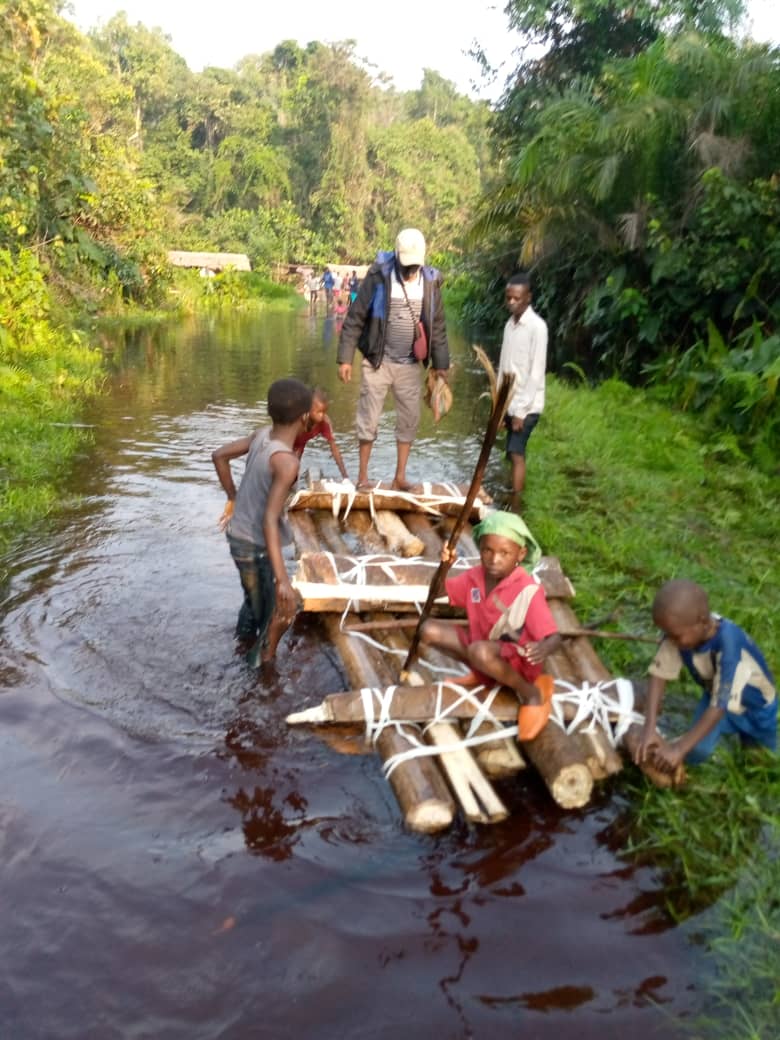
<point x="365" y="325"/>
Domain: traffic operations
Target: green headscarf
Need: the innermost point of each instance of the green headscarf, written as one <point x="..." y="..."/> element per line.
<point x="510" y="525"/>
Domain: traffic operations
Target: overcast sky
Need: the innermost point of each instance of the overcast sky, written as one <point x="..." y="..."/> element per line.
<point x="401" y="38"/>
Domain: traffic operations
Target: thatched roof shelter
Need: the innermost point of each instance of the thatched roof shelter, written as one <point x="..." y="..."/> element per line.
<point x="209" y="261"/>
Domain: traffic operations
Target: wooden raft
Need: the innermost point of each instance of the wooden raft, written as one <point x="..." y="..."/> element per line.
<point x="386" y="585"/>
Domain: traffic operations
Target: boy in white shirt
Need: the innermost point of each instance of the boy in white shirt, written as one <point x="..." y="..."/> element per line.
<point x="523" y="355"/>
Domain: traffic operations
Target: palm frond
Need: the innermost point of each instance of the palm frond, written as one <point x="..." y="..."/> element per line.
<point x="487" y="364"/>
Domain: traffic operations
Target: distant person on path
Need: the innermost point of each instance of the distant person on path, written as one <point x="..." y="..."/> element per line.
<point x="511" y="630"/>
<point x="354" y="285"/>
<point x="397" y="292"/>
<point x="327" y="284"/>
<point x="523" y="355"/>
<point x="255" y="520"/>
<point x="337" y="282"/>
<point x="314" y="283"/>
<point x="739" y="695"/>
<point x="319" y="425"/>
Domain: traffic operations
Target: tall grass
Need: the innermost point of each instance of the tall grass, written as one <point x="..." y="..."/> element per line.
<point x="629" y="495"/>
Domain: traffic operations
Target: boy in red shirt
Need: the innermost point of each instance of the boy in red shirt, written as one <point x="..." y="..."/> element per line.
<point x="510" y="628"/>
<point x="319" y="426"/>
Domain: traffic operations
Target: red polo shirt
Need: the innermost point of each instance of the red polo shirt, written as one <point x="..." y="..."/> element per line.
<point x="320" y="429"/>
<point x="467" y="590"/>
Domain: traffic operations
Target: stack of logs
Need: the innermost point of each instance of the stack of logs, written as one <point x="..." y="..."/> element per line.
<point x="568" y="763"/>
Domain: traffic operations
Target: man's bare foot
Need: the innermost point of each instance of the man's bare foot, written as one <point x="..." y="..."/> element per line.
<point x="364" y="485"/>
<point x="401" y="484"/>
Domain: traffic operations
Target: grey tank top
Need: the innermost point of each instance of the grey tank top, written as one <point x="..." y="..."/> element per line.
<point x="252" y="497"/>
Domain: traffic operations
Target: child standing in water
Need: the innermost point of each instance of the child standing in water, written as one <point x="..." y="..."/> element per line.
<point x="319" y="426"/>
<point x="510" y="628"/>
<point x="738" y="690"/>
<point x="255" y="519"/>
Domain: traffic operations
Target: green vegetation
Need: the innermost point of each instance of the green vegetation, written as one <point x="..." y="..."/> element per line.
<point x="639" y="179"/>
<point x="717" y="842"/>
<point x="44" y="375"/>
<point x="112" y="152"/>
<point x="631" y="496"/>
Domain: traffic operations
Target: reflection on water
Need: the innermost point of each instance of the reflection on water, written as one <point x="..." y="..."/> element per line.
<point x="176" y="861"/>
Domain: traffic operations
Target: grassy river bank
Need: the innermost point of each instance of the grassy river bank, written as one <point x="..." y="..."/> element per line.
<point x="628" y="494"/>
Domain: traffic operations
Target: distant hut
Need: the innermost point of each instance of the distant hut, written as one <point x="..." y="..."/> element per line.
<point x="209" y="262"/>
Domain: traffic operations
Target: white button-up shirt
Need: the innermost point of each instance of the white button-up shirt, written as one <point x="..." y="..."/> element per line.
<point x="524" y="355"/>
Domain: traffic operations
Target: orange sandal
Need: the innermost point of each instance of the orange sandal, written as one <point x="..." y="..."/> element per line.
<point x="468" y="680"/>
<point x="532" y="718"/>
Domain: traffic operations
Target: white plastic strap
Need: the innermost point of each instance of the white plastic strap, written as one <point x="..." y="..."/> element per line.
<point x="596" y="707"/>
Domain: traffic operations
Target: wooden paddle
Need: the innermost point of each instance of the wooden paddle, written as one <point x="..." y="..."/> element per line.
<point x="496" y="416"/>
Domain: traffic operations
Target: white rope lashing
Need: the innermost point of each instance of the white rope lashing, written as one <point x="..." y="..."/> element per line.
<point x="429" y="502"/>
<point x="594" y="705"/>
<point x="377" y="721"/>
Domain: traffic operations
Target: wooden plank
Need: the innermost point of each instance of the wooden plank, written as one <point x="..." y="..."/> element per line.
<point x="418" y="785"/>
<point x="476" y="794"/>
<point x="410" y="703"/>
<point x="407" y="585"/>
<point x="432" y="500"/>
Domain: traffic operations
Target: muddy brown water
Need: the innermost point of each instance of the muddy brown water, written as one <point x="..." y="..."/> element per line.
<point x="176" y="862"/>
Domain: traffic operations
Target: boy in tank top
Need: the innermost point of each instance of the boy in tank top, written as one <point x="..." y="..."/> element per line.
<point x="255" y="520"/>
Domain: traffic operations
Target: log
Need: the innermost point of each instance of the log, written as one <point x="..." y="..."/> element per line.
<point x="304" y="532"/>
<point x="430" y="499"/>
<point x="555" y="582"/>
<point x="499" y="758"/>
<point x="589" y="666"/>
<point x="475" y="793"/>
<point x="418" y="785"/>
<point x="477" y="799"/>
<point x="408" y="588"/>
<point x="590" y="633"/>
<point x="328" y="528"/>
<point x="601" y="757"/>
<point x="380" y="569"/>
<point x="409" y="703"/>
<point x="496" y="759"/>
<point x="558" y="760"/>
<point x="320" y="597"/>
<point x="362" y="527"/>
<point x="396" y="534"/>
<point x="421" y="527"/>
<point x="466" y="547"/>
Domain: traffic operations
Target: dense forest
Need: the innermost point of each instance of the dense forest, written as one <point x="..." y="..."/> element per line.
<point x="632" y="164"/>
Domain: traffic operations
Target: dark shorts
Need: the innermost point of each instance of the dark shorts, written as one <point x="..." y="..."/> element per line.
<point x="516" y="441"/>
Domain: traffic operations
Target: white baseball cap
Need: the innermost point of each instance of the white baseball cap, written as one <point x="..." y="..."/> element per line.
<point x="410" y="247"/>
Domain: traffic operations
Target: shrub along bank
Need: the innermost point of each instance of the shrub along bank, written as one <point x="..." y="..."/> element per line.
<point x="45" y="374"/>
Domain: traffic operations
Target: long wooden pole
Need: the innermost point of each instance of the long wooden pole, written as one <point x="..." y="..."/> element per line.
<point x="499" y="407"/>
<point x="567" y="633"/>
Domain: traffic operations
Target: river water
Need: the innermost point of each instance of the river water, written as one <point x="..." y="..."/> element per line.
<point x="176" y="862"/>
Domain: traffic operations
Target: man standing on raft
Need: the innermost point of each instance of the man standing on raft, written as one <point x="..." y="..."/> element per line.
<point x="397" y="293"/>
